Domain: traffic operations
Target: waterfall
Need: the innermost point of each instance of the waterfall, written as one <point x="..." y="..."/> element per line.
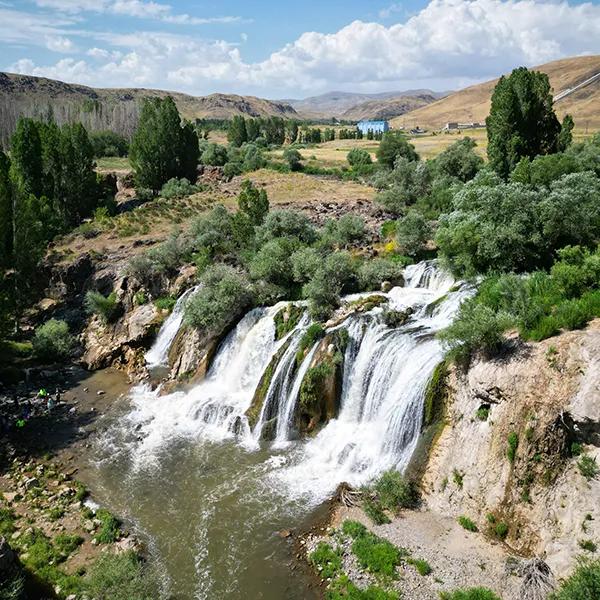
<point x="158" y="355"/>
<point x="385" y="374"/>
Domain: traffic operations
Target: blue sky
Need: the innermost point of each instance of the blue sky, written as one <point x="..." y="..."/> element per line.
<point x="277" y="50"/>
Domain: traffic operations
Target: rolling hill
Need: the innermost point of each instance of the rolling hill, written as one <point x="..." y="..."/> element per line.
<point x="386" y="109"/>
<point x="335" y="104"/>
<point x="473" y="103"/>
<point x="116" y="109"/>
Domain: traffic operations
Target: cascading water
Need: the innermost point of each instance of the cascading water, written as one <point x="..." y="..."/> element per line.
<point x="235" y="490"/>
<point x="158" y="355"/>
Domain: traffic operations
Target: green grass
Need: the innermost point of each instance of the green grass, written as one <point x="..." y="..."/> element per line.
<point x="483" y="413"/>
<point x="67" y="544"/>
<point x="109" y="530"/>
<point x="110" y="163"/>
<point x="478" y="593"/>
<point x="467" y="524"/>
<point x="327" y="560"/>
<point x="165" y="303"/>
<point x="588" y="467"/>
<point x="373" y="509"/>
<point x="422" y="566"/>
<point x="343" y="589"/>
<point x="588" y="545"/>
<point x="513" y="442"/>
<point x="7" y="521"/>
<point x="458" y="478"/>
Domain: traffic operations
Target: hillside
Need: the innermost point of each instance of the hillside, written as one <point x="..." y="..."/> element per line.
<point x="116" y="109"/>
<point x="386" y="109"/>
<point x="335" y="104"/>
<point x="473" y="103"/>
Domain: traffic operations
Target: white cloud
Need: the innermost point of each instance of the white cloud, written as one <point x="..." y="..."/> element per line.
<point x="386" y="13"/>
<point x="447" y="42"/>
<point x="60" y="44"/>
<point x="142" y="9"/>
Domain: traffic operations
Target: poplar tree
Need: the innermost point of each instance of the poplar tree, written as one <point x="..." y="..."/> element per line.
<point x="26" y="157"/>
<point x="6" y="213"/>
<point x="237" y="134"/>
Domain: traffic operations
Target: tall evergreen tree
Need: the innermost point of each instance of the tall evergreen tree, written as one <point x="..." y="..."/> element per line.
<point x="189" y="152"/>
<point x="565" y="137"/>
<point x="252" y="129"/>
<point x="26" y="157"/>
<point x="6" y="213"/>
<point x="237" y="134"/>
<point x="522" y="121"/>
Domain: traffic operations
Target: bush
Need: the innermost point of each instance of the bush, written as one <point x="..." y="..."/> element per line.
<point x="326" y="560"/>
<point x="467" y="524"/>
<point x="225" y="294"/>
<point x="343" y="589"/>
<point x="588" y="467"/>
<point x="422" y="566"/>
<point x="373" y="273"/>
<point x="513" y="442"/>
<point x="479" y="593"/>
<point x="459" y="160"/>
<point x="501" y="530"/>
<point x="305" y="263"/>
<point x="108" y="143"/>
<point x="214" y="155"/>
<point x="358" y="157"/>
<point x="109" y="530"/>
<point x="171" y="254"/>
<point x="344" y="231"/>
<point x="373" y="510"/>
<point x="286" y="224"/>
<point x="583" y="584"/>
<point x="142" y="268"/>
<point x="121" y="577"/>
<point x="253" y="202"/>
<point x="52" y="340"/>
<point x="412" y="233"/>
<point x="232" y="169"/>
<point x="394" y="491"/>
<point x="393" y="145"/>
<point x="67" y="544"/>
<point x="353" y="528"/>
<point x="106" y="307"/>
<point x="293" y="159"/>
<point x="376" y="554"/>
<point x="272" y="262"/>
<point x="178" y="188"/>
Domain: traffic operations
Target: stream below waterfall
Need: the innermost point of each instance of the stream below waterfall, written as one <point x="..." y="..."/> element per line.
<point x="209" y="497"/>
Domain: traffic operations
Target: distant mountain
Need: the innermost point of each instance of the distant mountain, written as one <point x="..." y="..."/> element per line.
<point x="473" y="103"/>
<point x="386" y="109"/>
<point x="334" y="104"/>
<point x="115" y="109"/>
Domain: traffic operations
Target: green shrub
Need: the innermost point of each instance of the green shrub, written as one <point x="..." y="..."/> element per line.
<point x="358" y="157"/>
<point x="272" y="262"/>
<point x="395" y="492"/>
<point x="479" y="593"/>
<point x="513" y="443"/>
<point x="372" y="273"/>
<point x="171" y="254"/>
<point x="483" y="412"/>
<point x="286" y="224"/>
<point x="312" y="384"/>
<point x="232" y="169"/>
<point x="421" y="565"/>
<point x="373" y="509"/>
<point x="353" y="528"/>
<point x="311" y="336"/>
<point x="178" y="188"/>
<point x="106" y="307"/>
<point x="214" y="155"/>
<point x="287" y="319"/>
<point x="305" y="263"/>
<point x="458" y="478"/>
<point x="121" y="577"/>
<point x="7" y="521"/>
<point x="52" y="340"/>
<point x="376" y="554"/>
<point x="583" y="584"/>
<point x="67" y="544"/>
<point x="501" y="530"/>
<point x="293" y="158"/>
<point x="142" y="268"/>
<point x="412" y="233"/>
<point x="588" y="467"/>
<point x="588" y="545"/>
<point x="326" y="560"/>
<point x="165" y="303"/>
<point x="225" y="293"/>
<point x="109" y="530"/>
<point x="467" y="524"/>
<point x="343" y="589"/>
<point x="346" y="230"/>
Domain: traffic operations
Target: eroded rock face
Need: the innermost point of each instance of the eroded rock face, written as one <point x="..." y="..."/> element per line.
<point x="544" y="397"/>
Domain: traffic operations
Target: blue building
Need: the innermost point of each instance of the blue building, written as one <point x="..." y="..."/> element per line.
<point x="374" y="126"/>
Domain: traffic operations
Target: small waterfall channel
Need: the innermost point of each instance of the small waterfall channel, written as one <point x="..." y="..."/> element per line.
<point x="224" y="483"/>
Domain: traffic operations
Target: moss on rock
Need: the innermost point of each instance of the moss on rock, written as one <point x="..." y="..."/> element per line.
<point x="287" y="319"/>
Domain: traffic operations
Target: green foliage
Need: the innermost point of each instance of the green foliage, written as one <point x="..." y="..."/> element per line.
<point x="513" y="443"/>
<point x="358" y="157"/>
<point x="458" y="478"/>
<point x="421" y="565"/>
<point x="121" y="577"/>
<point x="467" y="523"/>
<point x="394" y="145"/>
<point x="395" y="492"/>
<point x="225" y="293"/>
<point x="108" y="143"/>
<point x="287" y="319"/>
<point x="588" y="467"/>
<point x="67" y="544"/>
<point x="272" y="262"/>
<point x="459" y="160"/>
<point x="343" y="589"/>
<point x="52" y="340"/>
<point x="171" y="254"/>
<point x="376" y="554"/>
<point x="237" y="134"/>
<point x="373" y="273"/>
<point x="286" y="224"/>
<point x="293" y="158"/>
<point x="178" y="188"/>
<point x="253" y="202"/>
<point x="312" y="384"/>
<point x="214" y="155"/>
<point x="305" y="263"/>
<point x="483" y="413"/>
<point x="522" y="121"/>
<point x="161" y="148"/>
<point x="7" y="521"/>
<point x="373" y="510"/>
<point x="412" y="233"/>
<point x="109" y="530"/>
<point x="106" y="307"/>
<point x="165" y="303"/>
<point x="344" y="231"/>
<point x="408" y="182"/>
<point x="232" y="169"/>
<point x="478" y="593"/>
<point x="500" y="530"/>
<point x="353" y="528"/>
<point x="542" y="171"/>
<point x="326" y="560"/>
<point x="587" y="545"/>
<point x="583" y="584"/>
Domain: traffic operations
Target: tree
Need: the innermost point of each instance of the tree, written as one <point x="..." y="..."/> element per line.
<point x="293" y="158"/>
<point x="237" y="134"/>
<point x="522" y="121"/>
<point x="161" y="148"/>
<point x="253" y="202"/>
<point x="565" y="137"/>
<point x="412" y="233"/>
<point x="26" y="157"/>
<point x="459" y="160"/>
<point x="358" y="157"/>
<point x="393" y="145"/>
<point x="6" y="213"/>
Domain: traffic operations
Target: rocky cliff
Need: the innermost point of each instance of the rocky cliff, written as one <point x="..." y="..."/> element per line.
<point x="518" y="450"/>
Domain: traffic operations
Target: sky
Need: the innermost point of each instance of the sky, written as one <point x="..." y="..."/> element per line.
<point x="289" y="49"/>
